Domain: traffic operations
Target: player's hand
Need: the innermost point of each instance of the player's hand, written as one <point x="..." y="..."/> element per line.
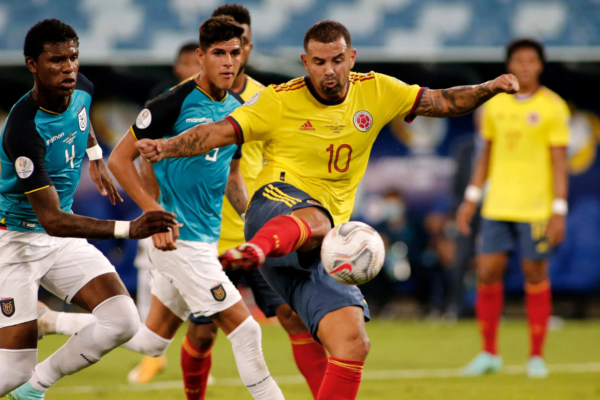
<point x="166" y="241"/>
<point x="150" y="150"/>
<point x="152" y="222"/>
<point x="506" y="83"/>
<point x="102" y="179"/>
<point x="464" y="216"/>
<point x="555" y="232"/>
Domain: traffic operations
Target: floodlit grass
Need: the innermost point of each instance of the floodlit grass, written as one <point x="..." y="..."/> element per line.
<point x="398" y="345"/>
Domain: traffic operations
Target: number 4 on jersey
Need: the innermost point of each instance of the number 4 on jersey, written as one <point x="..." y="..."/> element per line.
<point x="72" y="157"/>
<point x="331" y="150"/>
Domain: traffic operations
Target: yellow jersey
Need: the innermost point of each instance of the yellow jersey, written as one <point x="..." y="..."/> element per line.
<point x="520" y="171"/>
<point x="232" y="226"/>
<point x="319" y="146"/>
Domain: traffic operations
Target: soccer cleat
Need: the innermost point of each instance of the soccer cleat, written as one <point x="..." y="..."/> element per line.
<point x="247" y="256"/>
<point x="25" y="392"/>
<point x="484" y="363"/>
<point x="46" y="320"/>
<point x="536" y="368"/>
<point x="147" y="369"/>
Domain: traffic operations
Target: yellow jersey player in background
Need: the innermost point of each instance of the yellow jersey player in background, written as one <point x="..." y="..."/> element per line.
<point x="318" y="132"/>
<point x="525" y="164"/>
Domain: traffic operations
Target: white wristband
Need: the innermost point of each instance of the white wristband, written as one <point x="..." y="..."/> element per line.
<point x="560" y="207"/>
<point x="94" y="152"/>
<point x="473" y="193"/>
<point x="122" y="229"/>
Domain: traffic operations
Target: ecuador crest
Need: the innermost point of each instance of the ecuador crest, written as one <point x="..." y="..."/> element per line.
<point x="218" y="292"/>
<point x="8" y="306"/>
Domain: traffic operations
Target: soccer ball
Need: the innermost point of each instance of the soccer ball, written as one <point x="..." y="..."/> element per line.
<point x="352" y="253"/>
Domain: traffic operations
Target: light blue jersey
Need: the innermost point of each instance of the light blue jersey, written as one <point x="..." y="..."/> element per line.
<point x="41" y="148"/>
<point x="192" y="188"/>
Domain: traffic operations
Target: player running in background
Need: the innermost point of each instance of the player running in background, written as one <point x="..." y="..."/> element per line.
<point x="187" y="275"/>
<point x="196" y="359"/>
<point x="525" y="163"/>
<point x="186" y="65"/>
<point x="318" y="133"/>
<point x="43" y="143"/>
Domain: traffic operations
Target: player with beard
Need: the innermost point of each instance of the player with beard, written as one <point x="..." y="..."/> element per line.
<point x="318" y="133"/>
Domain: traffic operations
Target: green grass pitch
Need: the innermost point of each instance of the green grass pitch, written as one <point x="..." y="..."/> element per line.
<point x="409" y="360"/>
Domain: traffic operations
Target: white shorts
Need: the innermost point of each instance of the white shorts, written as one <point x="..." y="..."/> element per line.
<point x="61" y="265"/>
<point x="191" y="279"/>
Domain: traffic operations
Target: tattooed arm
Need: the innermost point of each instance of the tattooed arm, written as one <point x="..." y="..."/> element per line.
<point x="462" y="100"/>
<point x="199" y="139"/>
<point x="236" y="188"/>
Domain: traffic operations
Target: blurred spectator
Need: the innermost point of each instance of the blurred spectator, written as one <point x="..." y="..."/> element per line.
<point x="186" y="65"/>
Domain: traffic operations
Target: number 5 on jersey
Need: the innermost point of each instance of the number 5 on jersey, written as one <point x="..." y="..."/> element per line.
<point x="331" y="149"/>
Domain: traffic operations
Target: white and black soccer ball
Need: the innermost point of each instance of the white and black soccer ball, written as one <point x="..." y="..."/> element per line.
<point x="352" y="253"/>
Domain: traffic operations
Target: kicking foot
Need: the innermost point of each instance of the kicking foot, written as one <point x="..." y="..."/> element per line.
<point x="247" y="256"/>
<point x="484" y="363"/>
<point x="147" y="369"/>
<point x="536" y="368"/>
<point x="25" y="392"/>
<point x="46" y="320"/>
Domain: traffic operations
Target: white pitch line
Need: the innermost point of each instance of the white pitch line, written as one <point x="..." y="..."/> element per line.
<point x="399" y="374"/>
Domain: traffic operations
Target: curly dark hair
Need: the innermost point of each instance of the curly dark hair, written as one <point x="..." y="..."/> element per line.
<point x="219" y="29"/>
<point x="327" y="31"/>
<point x="525" y="43"/>
<point x="239" y="13"/>
<point x="47" y="31"/>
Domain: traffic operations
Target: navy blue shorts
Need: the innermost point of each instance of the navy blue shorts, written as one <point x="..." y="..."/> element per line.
<point x="504" y="237"/>
<point x="299" y="277"/>
<point x="266" y="299"/>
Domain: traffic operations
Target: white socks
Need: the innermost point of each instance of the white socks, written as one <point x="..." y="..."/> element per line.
<point x="148" y="343"/>
<point x="247" y="350"/>
<point x="117" y="321"/>
<point x="69" y="323"/>
<point x="16" y="367"/>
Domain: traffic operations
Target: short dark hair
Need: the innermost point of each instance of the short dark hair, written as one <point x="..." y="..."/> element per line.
<point x="239" y="13"/>
<point x="47" y="31"/>
<point x="219" y="29"/>
<point x="525" y="43"/>
<point x="187" y="47"/>
<point x="327" y="31"/>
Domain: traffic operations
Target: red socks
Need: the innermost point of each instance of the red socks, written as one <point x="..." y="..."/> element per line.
<point x="488" y="308"/>
<point x="282" y="235"/>
<point x="538" y="302"/>
<point x="311" y="360"/>
<point x="342" y="379"/>
<point x="195" y="364"/>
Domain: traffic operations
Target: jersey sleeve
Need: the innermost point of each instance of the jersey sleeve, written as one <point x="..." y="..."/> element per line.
<point x="559" y="134"/>
<point x="238" y="153"/>
<point x="258" y="116"/>
<point x="398" y="99"/>
<point x="26" y="149"/>
<point x="156" y="120"/>
<point x="85" y="84"/>
<point x="487" y="123"/>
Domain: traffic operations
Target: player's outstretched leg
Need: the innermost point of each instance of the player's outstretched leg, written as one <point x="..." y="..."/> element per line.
<point x="304" y="229"/>
<point x="488" y="308"/>
<point x="538" y="303"/>
<point x="310" y="355"/>
<point x="116" y="322"/>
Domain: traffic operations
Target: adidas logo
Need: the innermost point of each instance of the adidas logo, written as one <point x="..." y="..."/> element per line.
<point x="307" y="126"/>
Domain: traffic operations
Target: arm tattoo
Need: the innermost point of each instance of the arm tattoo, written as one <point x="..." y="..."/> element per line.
<point x="196" y="140"/>
<point x="455" y="101"/>
<point x="236" y="195"/>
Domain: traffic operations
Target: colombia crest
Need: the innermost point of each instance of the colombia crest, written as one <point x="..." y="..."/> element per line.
<point x="363" y="121"/>
<point x="218" y="292"/>
<point x="8" y="306"/>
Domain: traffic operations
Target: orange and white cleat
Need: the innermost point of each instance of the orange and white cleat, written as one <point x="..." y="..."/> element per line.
<point x="147" y="369"/>
<point x="247" y="256"/>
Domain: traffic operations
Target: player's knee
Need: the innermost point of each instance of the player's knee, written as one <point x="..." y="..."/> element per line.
<point x="202" y="336"/>
<point x="119" y="318"/>
<point x="16" y="367"/>
<point x="360" y="347"/>
<point x="488" y="274"/>
<point x="290" y="321"/>
<point x="246" y="335"/>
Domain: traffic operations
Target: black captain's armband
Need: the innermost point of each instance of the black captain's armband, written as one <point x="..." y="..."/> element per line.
<point x="159" y="115"/>
<point x="25" y="147"/>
